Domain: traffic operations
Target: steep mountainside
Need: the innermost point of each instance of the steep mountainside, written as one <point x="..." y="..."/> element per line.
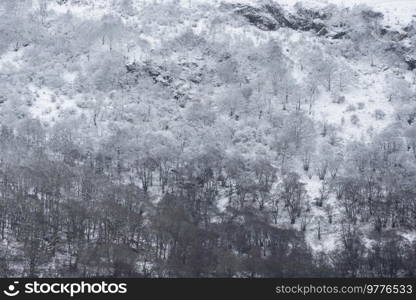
<point x="149" y="134"/>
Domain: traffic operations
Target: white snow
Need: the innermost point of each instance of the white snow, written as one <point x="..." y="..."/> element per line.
<point x="364" y="98"/>
<point x="369" y="90"/>
<point x="47" y="106"/>
<point x="10" y="62"/>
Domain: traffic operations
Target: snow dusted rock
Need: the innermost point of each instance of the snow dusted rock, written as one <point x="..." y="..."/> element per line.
<point x="256" y="16"/>
<point x="410" y="61"/>
<point x="271" y="17"/>
<point x="252" y="123"/>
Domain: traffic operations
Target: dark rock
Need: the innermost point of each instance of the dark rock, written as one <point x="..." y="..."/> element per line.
<point x="197" y="78"/>
<point x="157" y="73"/>
<point x="152" y="71"/>
<point x="323" y="31"/>
<point x="257" y="17"/>
<point x="411" y="62"/>
<point x="339" y="35"/>
<point x="278" y="14"/>
<point x="132" y="68"/>
<point x="272" y="17"/>
<point x="224" y="57"/>
<point x="371" y="14"/>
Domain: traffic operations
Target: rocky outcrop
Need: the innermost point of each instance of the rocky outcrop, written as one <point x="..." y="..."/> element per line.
<point x="269" y="17"/>
<point x="157" y="73"/>
<point x="410" y="61"/>
<point x="257" y="17"/>
<point x="177" y="83"/>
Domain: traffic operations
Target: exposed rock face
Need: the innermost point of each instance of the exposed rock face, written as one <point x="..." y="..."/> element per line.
<point x="410" y="61"/>
<point x="157" y="73"/>
<point x="339" y="35"/>
<point x="278" y="15"/>
<point x="410" y="54"/>
<point x="270" y="17"/>
<point x="257" y="16"/>
<point x="177" y="83"/>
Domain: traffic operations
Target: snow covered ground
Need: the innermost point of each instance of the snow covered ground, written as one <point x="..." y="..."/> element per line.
<point x="367" y="95"/>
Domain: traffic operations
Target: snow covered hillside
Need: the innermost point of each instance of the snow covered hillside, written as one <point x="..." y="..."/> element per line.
<point x="187" y="138"/>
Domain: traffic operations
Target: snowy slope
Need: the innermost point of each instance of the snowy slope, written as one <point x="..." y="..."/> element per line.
<point x="362" y="100"/>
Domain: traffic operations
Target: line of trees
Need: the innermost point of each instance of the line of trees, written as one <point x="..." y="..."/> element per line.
<point x="68" y="211"/>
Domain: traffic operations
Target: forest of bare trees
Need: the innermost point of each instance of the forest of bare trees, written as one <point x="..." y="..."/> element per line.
<point x="205" y="153"/>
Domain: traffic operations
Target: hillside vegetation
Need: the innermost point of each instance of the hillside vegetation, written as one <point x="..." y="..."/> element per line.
<point x="206" y="139"/>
